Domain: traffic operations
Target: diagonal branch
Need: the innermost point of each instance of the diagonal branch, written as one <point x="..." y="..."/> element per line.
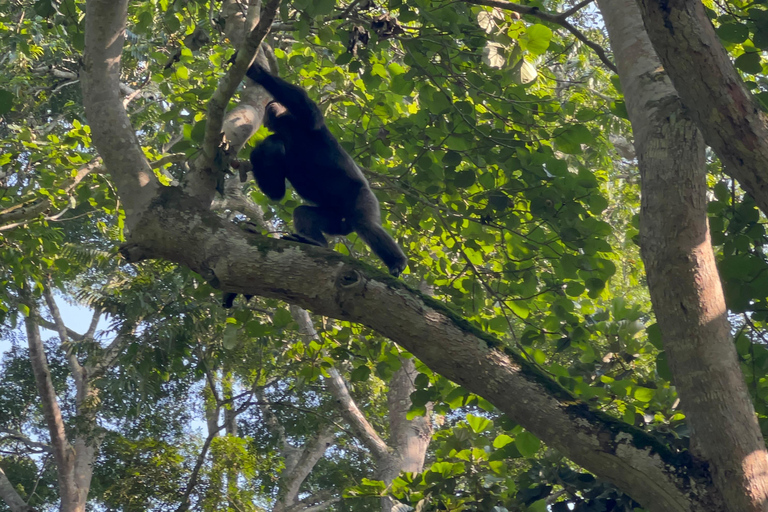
<point x="335" y="285"/>
<point x="62" y="450"/>
<point x="557" y="19"/>
<point x="11" y="496"/>
<point x="313" y="451"/>
<point x="349" y="410"/>
<point x="74" y="365"/>
<point x="231" y="80"/>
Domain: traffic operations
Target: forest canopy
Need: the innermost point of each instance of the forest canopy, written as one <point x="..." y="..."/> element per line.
<point x="581" y="191"/>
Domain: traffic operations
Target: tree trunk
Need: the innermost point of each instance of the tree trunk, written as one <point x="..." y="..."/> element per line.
<point x="408" y="439"/>
<point x="680" y="265"/>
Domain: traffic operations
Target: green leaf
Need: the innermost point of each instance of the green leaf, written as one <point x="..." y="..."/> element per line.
<point x="749" y="63"/>
<point x="6" y="101"/>
<point x="527" y="444"/>
<point x="538" y="38"/>
<point x="642" y="394"/>
<point x="733" y="33"/>
<point x="478" y="423"/>
<point x="360" y="374"/>
<point x="570" y="138"/>
<point x="502" y="440"/>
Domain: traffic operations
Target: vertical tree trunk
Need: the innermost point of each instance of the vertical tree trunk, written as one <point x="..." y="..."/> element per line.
<point x="685" y="287"/>
<point x="408" y="439"/>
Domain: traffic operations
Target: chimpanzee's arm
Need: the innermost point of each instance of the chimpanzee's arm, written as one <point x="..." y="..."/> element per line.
<point x="292" y="97"/>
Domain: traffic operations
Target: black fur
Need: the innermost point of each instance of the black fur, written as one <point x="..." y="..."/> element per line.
<point x="303" y="151"/>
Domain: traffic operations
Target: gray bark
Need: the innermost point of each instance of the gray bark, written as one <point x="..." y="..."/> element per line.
<point x="682" y="275"/>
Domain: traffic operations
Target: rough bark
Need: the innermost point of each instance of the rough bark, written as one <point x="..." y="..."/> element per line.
<point x="729" y="117"/>
<point x="110" y="126"/>
<point x="64" y="454"/>
<point x="680" y="265"/>
<point x="334" y="285"/>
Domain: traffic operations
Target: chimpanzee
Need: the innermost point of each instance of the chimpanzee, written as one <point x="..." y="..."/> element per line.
<point x="303" y="151"/>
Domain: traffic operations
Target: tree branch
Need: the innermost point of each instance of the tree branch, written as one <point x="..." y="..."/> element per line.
<point x="18" y="436"/>
<point x="231" y="80"/>
<point x="557" y="19"/>
<point x="74" y="365"/>
<point x="335" y="285"/>
<point x="111" y="129"/>
<point x="185" y="504"/>
<point x="349" y="410"/>
<point x="11" y="497"/>
<point x="23" y="213"/>
<point x="730" y="118"/>
<point x="313" y="451"/>
<point x="62" y="450"/>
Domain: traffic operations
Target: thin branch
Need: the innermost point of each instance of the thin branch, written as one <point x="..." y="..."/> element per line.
<point x="196" y="471"/>
<point x="576" y="8"/>
<point x="108" y="357"/>
<point x="18" y="436"/>
<point x="74" y="365"/>
<point x="168" y="159"/>
<point x="231" y="80"/>
<point x="557" y="19"/>
<point x="20" y="214"/>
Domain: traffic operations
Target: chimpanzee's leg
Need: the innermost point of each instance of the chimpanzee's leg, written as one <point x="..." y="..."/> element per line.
<point x="310" y="222"/>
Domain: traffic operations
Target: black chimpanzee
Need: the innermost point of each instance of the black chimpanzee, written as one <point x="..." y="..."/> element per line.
<point x="303" y="151"/>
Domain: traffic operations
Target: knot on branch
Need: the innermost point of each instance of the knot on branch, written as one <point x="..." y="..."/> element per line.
<point x="349" y="280"/>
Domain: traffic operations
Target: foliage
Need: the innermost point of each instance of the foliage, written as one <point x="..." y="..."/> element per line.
<point x="490" y="143"/>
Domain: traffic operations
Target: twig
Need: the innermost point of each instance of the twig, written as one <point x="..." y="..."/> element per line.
<point x="557" y="19"/>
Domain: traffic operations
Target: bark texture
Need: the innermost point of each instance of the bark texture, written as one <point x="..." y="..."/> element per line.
<point x="331" y="284"/>
<point x="680" y="265"/>
<point x="729" y="117"/>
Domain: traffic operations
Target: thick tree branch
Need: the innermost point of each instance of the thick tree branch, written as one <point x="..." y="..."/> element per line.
<point x="11" y="497"/>
<point x="63" y="452"/>
<point x="290" y="483"/>
<point x="558" y="19"/>
<point x="111" y="129"/>
<point x="729" y="117"/>
<point x="332" y="284"/>
<point x="676" y="248"/>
